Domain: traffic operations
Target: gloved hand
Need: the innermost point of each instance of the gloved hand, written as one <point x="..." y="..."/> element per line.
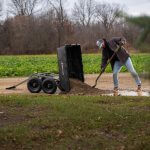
<point x="122" y="42"/>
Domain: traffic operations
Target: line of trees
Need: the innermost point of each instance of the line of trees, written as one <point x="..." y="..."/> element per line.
<point x="30" y="30"/>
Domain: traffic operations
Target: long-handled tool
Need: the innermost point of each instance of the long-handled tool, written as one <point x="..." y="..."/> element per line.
<point x="103" y="69"/>
<point x="36" y="75"/>
<point x="13" y="87"/>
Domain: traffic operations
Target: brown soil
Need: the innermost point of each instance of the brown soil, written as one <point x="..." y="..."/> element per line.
<point x="104" y="86"/>
<point x="78" y="87"/>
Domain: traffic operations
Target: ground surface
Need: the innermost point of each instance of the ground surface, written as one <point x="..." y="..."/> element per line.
<point x="105" y="83"/>
<point x="76" y="122"/>
<point x="43" y="122"/>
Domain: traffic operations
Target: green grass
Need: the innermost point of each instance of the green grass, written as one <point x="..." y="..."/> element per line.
<point x="74" y="122"/>
<point x="11" y="66"/>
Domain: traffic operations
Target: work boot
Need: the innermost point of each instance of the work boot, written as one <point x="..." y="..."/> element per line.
<point x="139" y="90"/>
<point x="116" y="91"/>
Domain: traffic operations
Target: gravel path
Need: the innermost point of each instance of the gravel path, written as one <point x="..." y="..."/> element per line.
<point x="104" y="83"/>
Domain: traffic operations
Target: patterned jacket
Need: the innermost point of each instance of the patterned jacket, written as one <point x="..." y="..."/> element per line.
<point x="110" y="47"/>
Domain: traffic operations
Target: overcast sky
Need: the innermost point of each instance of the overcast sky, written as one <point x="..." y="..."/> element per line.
<point x="133" y="7"/>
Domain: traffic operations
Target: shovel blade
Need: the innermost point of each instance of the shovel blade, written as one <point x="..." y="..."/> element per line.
<point x="10" y="88"/>
<point x="93" y="86"/>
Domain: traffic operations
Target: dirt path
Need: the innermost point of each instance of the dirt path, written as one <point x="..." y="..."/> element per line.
<point x="105" y="83"/>
<point x="125" y="80"/>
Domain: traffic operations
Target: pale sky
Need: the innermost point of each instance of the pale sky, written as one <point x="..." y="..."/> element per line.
<point x="133" y="7"/>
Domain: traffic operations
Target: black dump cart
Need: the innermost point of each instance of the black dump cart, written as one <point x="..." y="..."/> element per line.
<point x="70" y="66"/>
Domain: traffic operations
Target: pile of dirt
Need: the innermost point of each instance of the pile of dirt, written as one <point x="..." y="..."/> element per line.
<point x="80" y="88"/>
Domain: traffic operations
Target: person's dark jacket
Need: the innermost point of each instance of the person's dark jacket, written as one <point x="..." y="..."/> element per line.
<point x="110" y="47"/>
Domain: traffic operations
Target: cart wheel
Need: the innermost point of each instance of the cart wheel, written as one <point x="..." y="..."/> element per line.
<point x="49" y="86"/>
<point x="34" y="85"/>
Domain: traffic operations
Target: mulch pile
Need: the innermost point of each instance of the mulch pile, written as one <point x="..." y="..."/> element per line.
<point x="80" y="88"/>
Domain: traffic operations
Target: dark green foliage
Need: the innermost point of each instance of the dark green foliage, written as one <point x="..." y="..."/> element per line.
<point x="11" y="66"/>
<point x="144" y="23"/>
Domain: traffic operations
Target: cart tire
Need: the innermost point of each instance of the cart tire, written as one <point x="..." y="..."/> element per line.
<point x="34" y="85"/>
<point x="49" y="86"/>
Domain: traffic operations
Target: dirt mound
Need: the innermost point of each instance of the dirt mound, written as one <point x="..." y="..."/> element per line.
<point x="80" y="88"/>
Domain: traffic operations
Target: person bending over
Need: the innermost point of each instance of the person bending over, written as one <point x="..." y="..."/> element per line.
<point x="121" y="58"/>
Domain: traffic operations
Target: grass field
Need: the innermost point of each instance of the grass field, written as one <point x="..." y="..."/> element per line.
<point x="74" y="122"/>
<point x="11" y="66"/>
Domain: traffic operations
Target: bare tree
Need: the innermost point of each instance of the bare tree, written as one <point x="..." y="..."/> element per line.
<point x="61" y="17"/>
<point x="107" y="14"/>
<point x="23" y="7"/>
<point x="83" y="11"/>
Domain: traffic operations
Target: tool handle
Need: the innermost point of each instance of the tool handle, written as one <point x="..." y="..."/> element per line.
<point x="14" y="86"/>
<point x="21" y="82"/>
<point x="103" y="69"/>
